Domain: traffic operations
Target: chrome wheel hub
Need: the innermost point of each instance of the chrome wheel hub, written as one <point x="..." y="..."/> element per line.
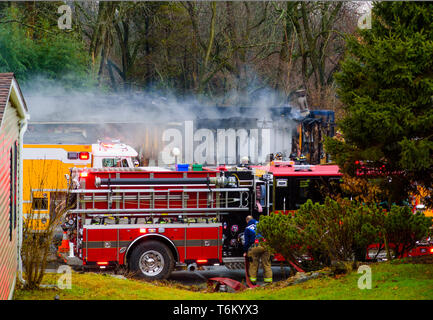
<point x="151" y="263"/>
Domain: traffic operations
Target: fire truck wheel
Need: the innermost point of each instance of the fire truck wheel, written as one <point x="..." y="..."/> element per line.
<point x="151" y="260"/>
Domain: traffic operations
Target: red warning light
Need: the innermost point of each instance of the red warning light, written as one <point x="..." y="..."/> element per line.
<point x="84" y="156"/>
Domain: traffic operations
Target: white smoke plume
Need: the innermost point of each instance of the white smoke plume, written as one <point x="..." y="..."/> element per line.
<point x="130" y="116"/>
<point x="51" y="102"/>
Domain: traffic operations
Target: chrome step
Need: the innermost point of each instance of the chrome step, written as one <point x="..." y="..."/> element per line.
<point x="234" y="263"/>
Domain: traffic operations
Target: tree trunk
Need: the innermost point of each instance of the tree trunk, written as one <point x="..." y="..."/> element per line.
<point x="204" y="69"/>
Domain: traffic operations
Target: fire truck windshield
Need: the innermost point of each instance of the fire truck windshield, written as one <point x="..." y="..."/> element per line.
<point x="293" y="191"/>
<point x="114" y="162"/>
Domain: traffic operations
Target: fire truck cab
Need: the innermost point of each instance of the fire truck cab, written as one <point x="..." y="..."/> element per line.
<point x="113" y="155"/>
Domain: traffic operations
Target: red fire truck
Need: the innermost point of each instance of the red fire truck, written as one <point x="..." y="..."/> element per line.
<point x="154" y="220"/>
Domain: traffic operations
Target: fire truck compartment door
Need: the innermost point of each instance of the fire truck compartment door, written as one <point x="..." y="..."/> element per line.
<point x="203" y="242"/>
<point x="100" y="244"/>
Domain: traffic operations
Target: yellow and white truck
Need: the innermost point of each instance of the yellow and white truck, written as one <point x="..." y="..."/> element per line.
<point x="45" y="167"/>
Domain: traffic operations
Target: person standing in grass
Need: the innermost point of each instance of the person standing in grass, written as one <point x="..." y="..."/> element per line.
<point x="254" y="249"/>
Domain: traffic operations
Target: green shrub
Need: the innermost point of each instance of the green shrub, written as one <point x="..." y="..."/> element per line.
<point x="341" y="230"/>
<point x="282" y="235"/>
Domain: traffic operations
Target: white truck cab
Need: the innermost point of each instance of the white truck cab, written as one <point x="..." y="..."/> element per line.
<point x="113" y="154"/>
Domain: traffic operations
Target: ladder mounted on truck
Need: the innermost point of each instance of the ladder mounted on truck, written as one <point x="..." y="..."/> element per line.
<point x="152" y="202"/>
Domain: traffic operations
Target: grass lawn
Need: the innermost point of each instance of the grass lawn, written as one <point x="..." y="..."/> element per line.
<point x="389" y="281"/>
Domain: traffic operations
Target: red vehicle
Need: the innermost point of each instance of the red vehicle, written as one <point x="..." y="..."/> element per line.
<point x="376" y="252"/>
<point x="152" y="221"/>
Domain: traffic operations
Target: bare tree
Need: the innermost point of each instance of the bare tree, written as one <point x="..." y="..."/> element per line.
<point x="39" y="229"/>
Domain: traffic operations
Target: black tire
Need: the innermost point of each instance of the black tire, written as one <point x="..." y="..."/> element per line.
<point x="159" y="263"/>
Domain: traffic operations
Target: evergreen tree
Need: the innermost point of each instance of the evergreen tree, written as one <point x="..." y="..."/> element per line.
<point x="386" y="85"/>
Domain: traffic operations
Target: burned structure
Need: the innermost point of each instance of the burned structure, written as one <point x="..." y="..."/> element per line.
<point x="212" y="135"/>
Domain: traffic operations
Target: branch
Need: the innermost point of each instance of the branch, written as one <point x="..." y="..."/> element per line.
<point x="27" y="25"/>
<point x="112" y="64"/>
<point x="211" y="34"/>
<point x="190" y="8"/>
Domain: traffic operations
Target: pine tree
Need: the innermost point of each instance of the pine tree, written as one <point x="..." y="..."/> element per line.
<point x="386" y="86"/>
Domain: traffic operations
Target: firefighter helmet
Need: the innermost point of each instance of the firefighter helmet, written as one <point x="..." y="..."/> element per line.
<point x="278" y="156"/>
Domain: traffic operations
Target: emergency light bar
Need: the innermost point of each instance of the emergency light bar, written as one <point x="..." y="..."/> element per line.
<point x="302" y="167"/>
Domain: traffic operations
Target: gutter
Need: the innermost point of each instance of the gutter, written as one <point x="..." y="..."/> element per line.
<point x="23" y="129"/>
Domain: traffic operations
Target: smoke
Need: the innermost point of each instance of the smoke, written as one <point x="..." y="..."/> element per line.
<point x="54" y="103"/>
<point x="50" y="102"/>
<point x="72" y="116"/>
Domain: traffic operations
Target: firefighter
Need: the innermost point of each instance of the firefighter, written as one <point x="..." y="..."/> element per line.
<point x="279" y="156"/>
<point x="245" y="162"/>
<point x="257" y="252"/>
<point x="301" y="159"/>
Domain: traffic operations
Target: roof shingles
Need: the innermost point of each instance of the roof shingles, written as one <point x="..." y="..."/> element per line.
<point x="5" y="87"/>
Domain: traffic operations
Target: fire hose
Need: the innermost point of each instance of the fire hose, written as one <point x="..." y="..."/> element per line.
<point x="236" y="285"/>
<point x="247" y="276"/>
